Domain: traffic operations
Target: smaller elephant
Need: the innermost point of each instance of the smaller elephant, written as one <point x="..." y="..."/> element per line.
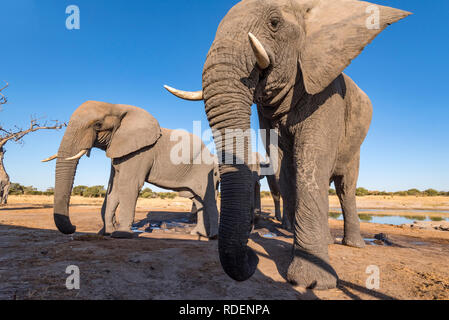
<point x="140" y="151"/>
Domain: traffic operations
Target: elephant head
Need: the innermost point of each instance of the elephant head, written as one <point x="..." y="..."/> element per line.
<point x="274" y="53"/>
<point x="120" y="130"/>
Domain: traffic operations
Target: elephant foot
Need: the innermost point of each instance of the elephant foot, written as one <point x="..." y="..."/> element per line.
<point x="122" y="235"/>
<point x="103" y="233"/>
<point x="311" y="272"/>
<point x="199" y="232"/>
<point x="355" y="241"/>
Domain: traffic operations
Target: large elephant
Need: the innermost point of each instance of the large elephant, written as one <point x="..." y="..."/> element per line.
<point x="287" y="56"/>
<point x="141" y="151"/>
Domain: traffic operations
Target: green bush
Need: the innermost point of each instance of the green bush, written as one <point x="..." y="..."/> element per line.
<point x="361" y="192"/>
<point x="95" y="192"/>
<point x="431" y="192"/>
<point x="16" y="189"/>
<point x="30" y="190"/>
<point x="365" y="217"/>
<point x="49" y="192"/>
<point x="265" y="194"/>
<point x="79" y="190"/>
<point x="147" y="193"/>
<point x="414" y="192"/>
<point x="167" y="195"/>
<point x="332" y="192"/>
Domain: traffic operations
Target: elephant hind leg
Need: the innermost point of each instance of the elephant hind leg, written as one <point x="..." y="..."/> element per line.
<point x="110" y="205"/>
<point x="207" y="222"/>
<point x="201" y="227"/>
<point x="346" y="185"/>
<point x="276" y="195"/>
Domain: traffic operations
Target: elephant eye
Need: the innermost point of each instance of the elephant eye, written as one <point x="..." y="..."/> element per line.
<point x="98" y="125"/>
<point x="275" y="24"/>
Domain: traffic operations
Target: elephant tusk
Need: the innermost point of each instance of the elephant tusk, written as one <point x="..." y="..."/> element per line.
<point x="263" y="60"/>
<point x="186" y="95"/>
<point x="78" y="156"/>
<point x="51" y="158"/>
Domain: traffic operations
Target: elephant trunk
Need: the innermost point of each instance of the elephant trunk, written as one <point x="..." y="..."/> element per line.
<point x="228" y="106"/>
<point x="65" y="175"/>
<point x="64" y="178"/>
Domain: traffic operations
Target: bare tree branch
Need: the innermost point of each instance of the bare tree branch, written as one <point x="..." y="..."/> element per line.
<point x="18" y="134"/>
<point x="3" y="98"/>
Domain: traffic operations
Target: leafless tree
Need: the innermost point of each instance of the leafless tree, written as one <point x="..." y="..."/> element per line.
<point x="16" y="135"/>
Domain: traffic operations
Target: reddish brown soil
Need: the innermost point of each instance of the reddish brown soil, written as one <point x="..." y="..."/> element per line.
<point x="175" y="265"/>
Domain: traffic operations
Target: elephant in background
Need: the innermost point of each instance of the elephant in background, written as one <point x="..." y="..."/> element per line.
<point x="140" y="151"/>
<point x="273" y="184"/>
<point x="287" y="56"/>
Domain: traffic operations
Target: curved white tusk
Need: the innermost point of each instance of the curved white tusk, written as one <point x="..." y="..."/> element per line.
<point x="186" y="95"/>
<point x="51" y="158"/>
<point x="263" y="60"/>
<point x="78" y="156"/>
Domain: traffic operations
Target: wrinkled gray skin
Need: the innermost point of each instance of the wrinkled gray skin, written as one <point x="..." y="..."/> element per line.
<point x="321" y="114"/>
<point x="140" y="152"/>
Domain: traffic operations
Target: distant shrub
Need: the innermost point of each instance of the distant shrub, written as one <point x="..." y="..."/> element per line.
<point x="265" y="194"/>
<point x="147" y="193"/>
<point x="365" y="217"/>
<point x="361" y="192"/>
<point x="167" y="195"/>
<point x="94" y="192"/>
<point x="332" y="192"/>
<point x="30" y="190"/>
<point x="49" y="192"/>
<point x="431" y="192"/>
<point x="16" y="189"/>
<point x="334" y="215"/>
<point x="79" y="190"/>
<point x="414" y="192"/>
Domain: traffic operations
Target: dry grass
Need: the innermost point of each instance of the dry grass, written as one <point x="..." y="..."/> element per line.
<point x="368" y="202"/>
<point x="181" y="203"/>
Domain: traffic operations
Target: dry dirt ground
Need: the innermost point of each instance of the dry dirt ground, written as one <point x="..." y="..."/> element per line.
<point x="172" y="264"/>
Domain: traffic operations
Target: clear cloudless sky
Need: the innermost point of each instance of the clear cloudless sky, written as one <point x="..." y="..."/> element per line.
<point x="126" y="50"/>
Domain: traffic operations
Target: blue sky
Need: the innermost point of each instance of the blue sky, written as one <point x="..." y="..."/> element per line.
<point x="126" y="50"/>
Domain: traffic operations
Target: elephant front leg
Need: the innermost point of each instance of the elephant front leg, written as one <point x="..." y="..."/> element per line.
<point x="128" y="192"/>
<point x="310" y="266"/>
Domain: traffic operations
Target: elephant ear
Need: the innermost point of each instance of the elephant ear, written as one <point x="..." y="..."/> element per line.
<point x="138" y="129"/>
<point x="336" y="31"/>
